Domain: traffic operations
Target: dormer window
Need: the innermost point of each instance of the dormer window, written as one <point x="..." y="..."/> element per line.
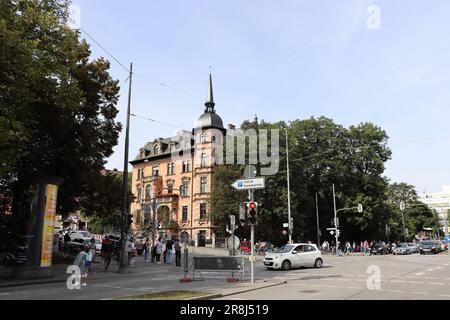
<point x="156" y="150"/>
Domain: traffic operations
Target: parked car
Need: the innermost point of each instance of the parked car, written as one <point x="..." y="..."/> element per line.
<point x="294" y="256"/>
<point x="429" y="246"/>
<point x="80" y="235"/>
<point x="98" y="246"/>
<point x="402" y="248"/>
<point x="379" y="248"/>
<point x="414" y="247"/>
<point x="72" y="248"/>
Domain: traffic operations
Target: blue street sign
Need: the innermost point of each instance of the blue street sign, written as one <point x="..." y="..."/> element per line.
<point x="447" y="238"/>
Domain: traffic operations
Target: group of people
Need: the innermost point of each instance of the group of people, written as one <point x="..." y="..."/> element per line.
<point x="347" y="247"/>
<point x="167" y="249"/>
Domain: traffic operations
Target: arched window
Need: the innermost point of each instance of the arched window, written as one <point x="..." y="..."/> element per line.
<point x="156" y="150"/>
<point x="148" y="192"/>
<point x="202" y="138"/>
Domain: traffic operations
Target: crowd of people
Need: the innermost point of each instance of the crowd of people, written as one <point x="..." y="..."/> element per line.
<point x="168" y="252"/>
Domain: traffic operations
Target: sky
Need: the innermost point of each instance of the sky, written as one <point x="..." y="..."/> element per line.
<point x="285" y="60"/>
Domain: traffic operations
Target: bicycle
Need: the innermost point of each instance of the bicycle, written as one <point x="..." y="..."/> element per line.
<point x="7" y="259"/>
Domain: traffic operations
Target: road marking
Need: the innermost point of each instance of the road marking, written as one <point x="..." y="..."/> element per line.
<point x="399" y="281"/>
<point x="395" y="291"/>
<point x="438" y="283"/>
<point x="343" y="279"/>
<point x="317" y="285"/>
<point x="421" y="293"/>
<point x="442" y="295"/>
<point x="416" y="282"/>
<point x="419" y="274"/>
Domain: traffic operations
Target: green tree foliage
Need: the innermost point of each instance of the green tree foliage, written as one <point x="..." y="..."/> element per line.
<point x="57" y="106"/>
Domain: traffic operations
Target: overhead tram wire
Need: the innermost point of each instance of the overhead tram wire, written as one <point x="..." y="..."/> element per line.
<point x="149" y="78"/>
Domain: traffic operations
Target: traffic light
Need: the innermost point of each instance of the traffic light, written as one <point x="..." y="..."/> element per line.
<point x="252" y="211"/>
<point x="129" y="220"/>
<point x="158" y="225"/>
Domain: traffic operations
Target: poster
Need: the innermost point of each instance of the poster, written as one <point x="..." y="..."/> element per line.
<point x="49" y="224"/>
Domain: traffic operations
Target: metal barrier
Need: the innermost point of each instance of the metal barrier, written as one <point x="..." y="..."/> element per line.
<point x="234" y="265"/>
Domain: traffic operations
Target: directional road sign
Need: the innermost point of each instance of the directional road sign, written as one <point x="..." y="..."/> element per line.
<point x="246" y="184"/>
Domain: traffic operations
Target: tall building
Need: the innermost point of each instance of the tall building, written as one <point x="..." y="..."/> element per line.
<point x="439" y="201"/>
<point x="175" y="173"/>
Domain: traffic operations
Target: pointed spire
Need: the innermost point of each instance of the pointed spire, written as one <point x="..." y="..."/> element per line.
<point x="210" y="99"/>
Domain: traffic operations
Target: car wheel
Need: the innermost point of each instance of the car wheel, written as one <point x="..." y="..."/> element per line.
<point x="318" y="263"/>
<point x="286" y="265"/>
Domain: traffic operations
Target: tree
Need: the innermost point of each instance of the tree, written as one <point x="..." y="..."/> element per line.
<point x="57" y="107"/>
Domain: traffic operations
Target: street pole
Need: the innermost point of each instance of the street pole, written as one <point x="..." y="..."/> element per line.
<point x="252" y="241"/>
<point x="335" y="220"/>
<point x="123" y="268"/>
<point x="288" y="189"/>
<point x="317" y="217"/>
<point x="403" y="222"/>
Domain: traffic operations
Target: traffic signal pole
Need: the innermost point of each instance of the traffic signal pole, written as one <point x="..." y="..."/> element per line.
<point x="123" y="268"/>
<point x="252" y="240"/>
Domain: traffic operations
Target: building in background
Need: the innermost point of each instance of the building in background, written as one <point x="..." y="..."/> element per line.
<point x="176" y="174"/>
<point x="441" y="203"/>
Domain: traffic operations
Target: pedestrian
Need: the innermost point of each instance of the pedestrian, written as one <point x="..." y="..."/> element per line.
<point x="146" y="249"/>
<point x="130" y="250"/>
<point x="164" y="251"/>
<point x="107" y="250"/>
<point x="81" y="262"/>
<point x="158" y="251"/>
<point x="93" y="249"/>
<point x="169" y="248"/>
<point x="177" y="247"/>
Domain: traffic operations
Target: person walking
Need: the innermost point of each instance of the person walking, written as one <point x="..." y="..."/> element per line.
<point x="158" y="250"/>
<point x="169" y="248"/>
<point x="93" y="249"/>
<point x="107" y="250"/>
<point x="130" y="250"/>
<point x="81" y="262"/>
<point x="146" y="249"/>
<point x="177" y="247"/>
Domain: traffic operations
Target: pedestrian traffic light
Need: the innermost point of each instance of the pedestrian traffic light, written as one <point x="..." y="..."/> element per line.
<point x="252" y="211"/>
<point x="129" y="220"/>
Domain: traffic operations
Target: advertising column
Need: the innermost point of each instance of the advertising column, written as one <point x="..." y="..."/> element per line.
<point x="37" y="212"/>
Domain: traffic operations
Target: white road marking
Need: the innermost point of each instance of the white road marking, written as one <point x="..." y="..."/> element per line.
<point x="421" y="293"/>
<point x="396" y="291"/>
<point x="443" y="295"/>
<point x="343" y="279"/>
<point x="419" y="274"/>
<point x="438" y="283"/>
<point x="416" y="282"/>
<point x="399" y="281"/>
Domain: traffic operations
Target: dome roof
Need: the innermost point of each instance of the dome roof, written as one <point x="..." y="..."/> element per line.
<point x="209" y="119"/>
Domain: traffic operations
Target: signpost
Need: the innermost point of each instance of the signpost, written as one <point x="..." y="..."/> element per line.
<point x="249" y="184"/>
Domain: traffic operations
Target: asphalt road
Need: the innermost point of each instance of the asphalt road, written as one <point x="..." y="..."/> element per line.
<point x="355" y="277"/>
<point x="347" y="277"/>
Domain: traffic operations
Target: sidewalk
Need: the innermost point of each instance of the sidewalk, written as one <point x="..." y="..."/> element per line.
<point x="140" y="268"/>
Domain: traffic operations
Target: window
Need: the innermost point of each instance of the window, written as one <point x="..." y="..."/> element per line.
<point x="187" y="144"/>
<point x="156" y="150"/>
<point x="184" y="189"/>
<point x="138" y="216"/>
<point x="155" y="171"/>
<point x="203" y="162"/>
<point x="148" y="192"/>
<point x="170" y="188"/>
<point x="202" y="210"/>
<point x="171" y="147"/>
<point x="203" y="138"/>
<point x="139" y="194"/>
<point x="213" y="138"/>
<point x="170" y="169"/>
<point x="203" y="185"/>
<point x="140" y="174"/>
<point x="184" y="215"/>
<point x="186" y="166"/>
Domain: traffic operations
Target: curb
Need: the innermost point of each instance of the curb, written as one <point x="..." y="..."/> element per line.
<point x="220" y="295"/>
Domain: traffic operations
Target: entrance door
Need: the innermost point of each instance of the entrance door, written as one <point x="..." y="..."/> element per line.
<point x="202" y="238"/>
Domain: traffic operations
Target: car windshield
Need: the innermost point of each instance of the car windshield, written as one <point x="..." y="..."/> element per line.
<point x="401" y="246"/>
<point x="285" y="249"/>
<point x="428" y="243"/>
<point x="85" y="234"/>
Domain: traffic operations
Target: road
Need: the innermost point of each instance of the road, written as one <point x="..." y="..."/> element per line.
<point x="347" y="277"/>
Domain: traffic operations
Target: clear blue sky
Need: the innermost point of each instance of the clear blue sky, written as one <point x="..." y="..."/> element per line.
<point x="285" y="60"/>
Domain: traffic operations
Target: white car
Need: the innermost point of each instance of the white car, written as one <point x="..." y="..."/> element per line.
<point x="86" y="235"/>
<point x="294" y="256"/>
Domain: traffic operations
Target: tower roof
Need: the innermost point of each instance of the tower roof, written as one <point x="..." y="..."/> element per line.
<point x="209" y="118"/>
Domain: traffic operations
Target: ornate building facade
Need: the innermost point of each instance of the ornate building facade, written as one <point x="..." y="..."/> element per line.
<point x="172" y="177"/>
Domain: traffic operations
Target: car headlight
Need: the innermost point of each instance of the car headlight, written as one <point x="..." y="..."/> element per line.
<point x="433" y="247"/>
<point x="278" y="256"/>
